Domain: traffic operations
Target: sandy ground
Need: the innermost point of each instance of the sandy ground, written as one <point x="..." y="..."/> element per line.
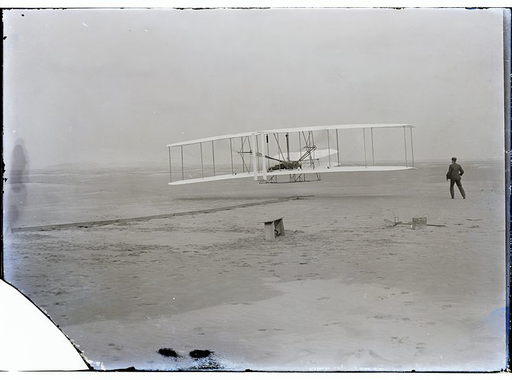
<point x="340" y="291"/>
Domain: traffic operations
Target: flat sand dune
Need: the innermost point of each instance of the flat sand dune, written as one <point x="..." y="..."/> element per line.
<point x="340" y="291"/>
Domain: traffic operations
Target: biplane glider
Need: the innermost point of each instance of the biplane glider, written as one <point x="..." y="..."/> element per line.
<point x="293" y="154"/>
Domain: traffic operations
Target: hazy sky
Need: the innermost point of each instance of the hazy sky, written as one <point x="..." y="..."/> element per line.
<point x="118" y="85"/>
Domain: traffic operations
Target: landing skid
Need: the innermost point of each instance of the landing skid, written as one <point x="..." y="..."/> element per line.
<point x="293" y="178"/>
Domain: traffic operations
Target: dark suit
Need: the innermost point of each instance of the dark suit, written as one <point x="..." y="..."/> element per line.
<point x="454" y="174"/>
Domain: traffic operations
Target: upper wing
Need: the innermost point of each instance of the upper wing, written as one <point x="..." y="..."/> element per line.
<point x="335" y="127"/>
<point x="290" y="130"/>
<point x="211" y="139"/>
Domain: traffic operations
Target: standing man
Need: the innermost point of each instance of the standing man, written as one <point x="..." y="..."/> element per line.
<point x="454" y="173"/>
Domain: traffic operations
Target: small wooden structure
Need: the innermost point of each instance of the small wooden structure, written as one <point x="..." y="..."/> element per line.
<point x="274" y="228"/>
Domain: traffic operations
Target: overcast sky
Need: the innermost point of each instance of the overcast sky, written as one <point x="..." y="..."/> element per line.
<point x="112" y="86"/>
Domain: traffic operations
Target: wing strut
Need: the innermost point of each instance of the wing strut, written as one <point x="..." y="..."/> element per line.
<point x="202" y="165"/>
<point x="231" y="154"/>
<point x="287" y="147"/>
<point x="364" y="144"/>
<point x="213" y="157"/>
<point x="405" y="148"/>
<point x="268" y="150"/>
<point x="244" y="165"/>
<point x="373" y="152"/>
<point x="300" y="146"/>
<point x="254" y="157"/>
<point x="338" y="147"/>
<point x="412" y="148"/>
<point x="170" y="166"/>
<point x="276" y="137"/>
<point x="263" y="164"/>
<point x="182" y="169"/>
<point x="328" y="146"/>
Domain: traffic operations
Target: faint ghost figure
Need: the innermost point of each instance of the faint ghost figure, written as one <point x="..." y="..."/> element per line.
<point x="15" y="189"/>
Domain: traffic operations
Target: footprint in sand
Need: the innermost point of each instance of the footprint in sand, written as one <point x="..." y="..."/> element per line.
<point x="399" y="340"/>
<point x="444" y="307"/>
<point x="408" y="303"/>
<point x="382" y="316"/>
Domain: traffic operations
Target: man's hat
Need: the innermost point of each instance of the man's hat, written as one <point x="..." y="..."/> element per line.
<point x="454" y="158"/>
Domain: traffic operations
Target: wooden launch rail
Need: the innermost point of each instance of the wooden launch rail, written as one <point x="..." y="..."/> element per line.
<point x="97" y="223"/>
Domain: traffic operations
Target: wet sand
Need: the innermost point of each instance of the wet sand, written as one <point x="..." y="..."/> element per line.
<point x="340" y="291"/>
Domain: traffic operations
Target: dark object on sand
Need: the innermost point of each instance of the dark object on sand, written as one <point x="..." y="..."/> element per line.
<point x="204" y="360"/>
<point x="168" y="352"/>
<point x="419" y="223"/>
<point x="413" y="224"/>
<point x="200" y="354"/>
<point x="274" y="228"/>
